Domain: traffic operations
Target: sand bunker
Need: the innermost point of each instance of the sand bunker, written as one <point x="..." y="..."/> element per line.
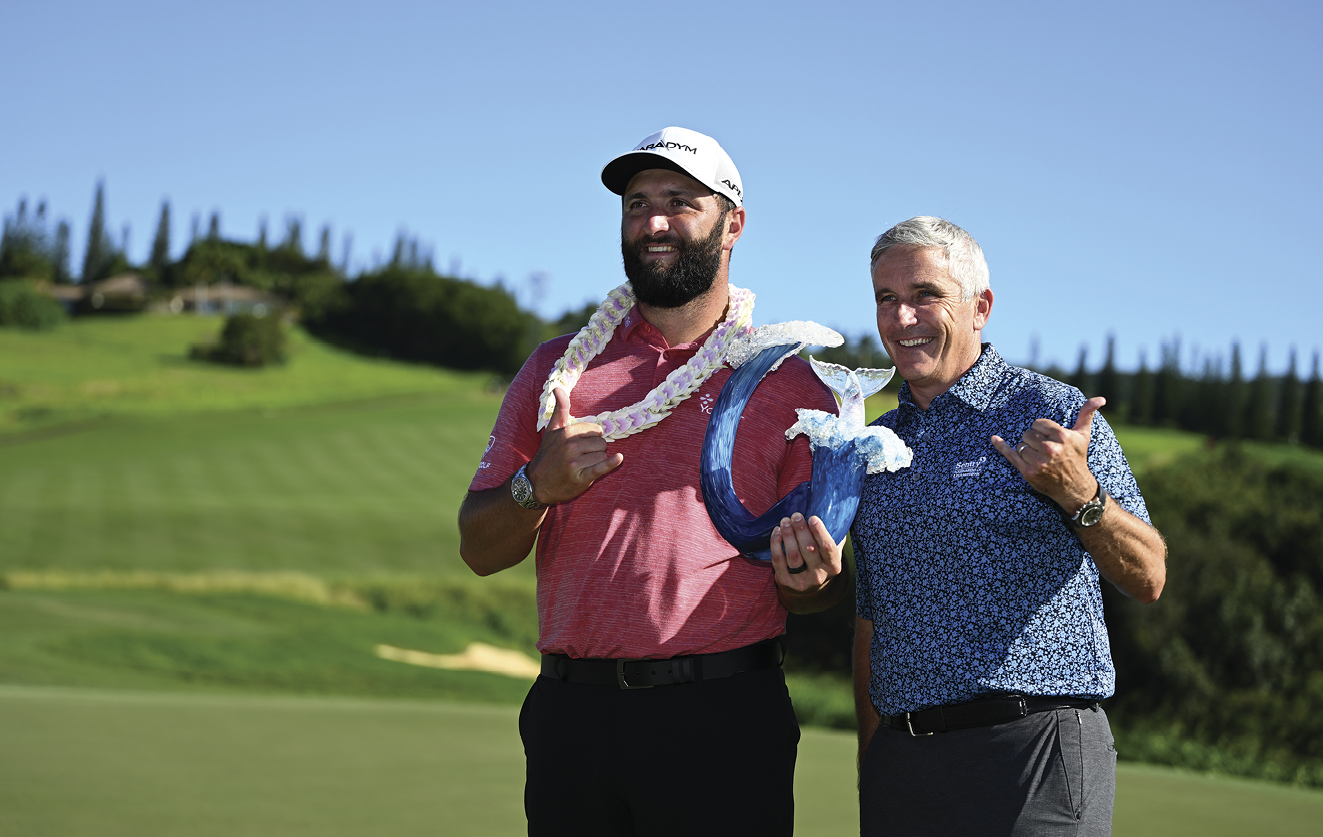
<point x="479" y="656"/>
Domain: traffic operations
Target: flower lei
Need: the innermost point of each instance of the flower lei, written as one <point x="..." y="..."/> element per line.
<point x="658" y="403"/>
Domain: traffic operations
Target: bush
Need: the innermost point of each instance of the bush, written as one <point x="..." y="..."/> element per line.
<point x="1230" y="659"/>
<point x="21" y="306"/>
<point x="246" y="340"/>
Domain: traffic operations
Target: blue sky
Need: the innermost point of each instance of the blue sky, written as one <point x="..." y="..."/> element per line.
<point x="1150" y="170"/>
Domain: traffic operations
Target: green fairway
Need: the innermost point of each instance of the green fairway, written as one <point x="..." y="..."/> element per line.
<point x="110" y="763"/>
<point x="364" y="487"/>
<point x="152" y="639"/>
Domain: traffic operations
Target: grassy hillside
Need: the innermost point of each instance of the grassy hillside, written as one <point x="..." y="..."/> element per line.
<point x="114" y="366"/>
<point x="176" y="527"/>
<point x="123" y="455"/>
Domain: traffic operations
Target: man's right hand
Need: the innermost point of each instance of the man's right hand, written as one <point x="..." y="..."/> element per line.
<point x="572" y="457"/>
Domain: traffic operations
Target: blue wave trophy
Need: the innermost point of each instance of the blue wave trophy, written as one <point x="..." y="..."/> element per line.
<point x="844" y="448"/>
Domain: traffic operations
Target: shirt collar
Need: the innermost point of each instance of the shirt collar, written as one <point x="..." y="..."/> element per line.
<point x="634" y="322"/>
<point x="975" y="388"/>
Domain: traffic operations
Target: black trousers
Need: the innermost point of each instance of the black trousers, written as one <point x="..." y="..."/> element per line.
<point x="1050" y="774"/>
<point x="715" y="757"/>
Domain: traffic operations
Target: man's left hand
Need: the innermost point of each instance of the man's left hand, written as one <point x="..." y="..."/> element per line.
<point x="1055" y="459"/>
<point x="804" y="543"/>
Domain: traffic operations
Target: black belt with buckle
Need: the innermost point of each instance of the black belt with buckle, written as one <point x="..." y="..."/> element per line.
<point x="984" y="712"/>
<point x="644" y="674"/>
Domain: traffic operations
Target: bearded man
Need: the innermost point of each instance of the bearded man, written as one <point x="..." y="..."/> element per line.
<point x="661" y="705"/>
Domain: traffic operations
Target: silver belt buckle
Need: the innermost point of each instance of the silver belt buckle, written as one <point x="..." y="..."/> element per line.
<point x="620" y="675"/>
<point x="909" y="724"/>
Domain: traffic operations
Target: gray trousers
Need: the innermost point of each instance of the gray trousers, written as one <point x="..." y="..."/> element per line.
<point x="1050" y="773"/>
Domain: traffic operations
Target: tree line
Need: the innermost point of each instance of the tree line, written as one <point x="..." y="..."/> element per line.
<point x="1219" y="401"/>
<point x="403" y="309"/>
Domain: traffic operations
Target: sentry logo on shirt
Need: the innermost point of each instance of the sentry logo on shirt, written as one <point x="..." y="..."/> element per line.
<point x="968" y="469"/>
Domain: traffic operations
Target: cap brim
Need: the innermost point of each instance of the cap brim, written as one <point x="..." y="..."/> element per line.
<point x="621" y="170"/>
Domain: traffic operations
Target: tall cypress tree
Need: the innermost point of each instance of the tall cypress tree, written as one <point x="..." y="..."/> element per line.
<point x="1080" y="380"/>
<point x="1168" y="389"/>
<point x="100" y="252"/>
<point x="1311" y="413"/>
<point x="1108" y="383"/>
<point x="1258" y="402"/>
<point x="60" y="254"/>
<point x="1141" y="395"/>
<point x="324" y="246"/>
<point x="1233" y="401"/>
<point x="1288" y="404"/>
<point x="160" y="256"/>
<point x="1204" y="408"/>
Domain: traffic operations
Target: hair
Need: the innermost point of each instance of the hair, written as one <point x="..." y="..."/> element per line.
<point x="964" y="258"/>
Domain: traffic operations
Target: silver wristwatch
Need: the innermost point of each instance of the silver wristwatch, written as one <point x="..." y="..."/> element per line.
<point x="1092" y="511"/>
<point x="522" y="490"/>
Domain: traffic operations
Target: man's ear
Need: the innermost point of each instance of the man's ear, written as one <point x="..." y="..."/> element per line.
<point x="734" y="227"/>
<point x="982" y="309"/>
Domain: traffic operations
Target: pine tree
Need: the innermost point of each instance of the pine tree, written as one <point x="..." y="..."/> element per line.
<point x="60" y="254"/>
<point x="1168" y="390"/>
<point x="1080" y="380"/>
<point x="1288" y="405"/>
<point x="213" y="227"/>
<point x="1141" y="396"/>
<point x="100" y="253"/>
<point x="346" y="253"/>
<point x="1258" y="402"/>
<point x="1108" y="383"/>
<point x="1204" y="408"/>
<point x="324" y="246"/>
<point x="1311" y="413"/>
<point x="160" y="255"/>
<point x="1232" y="414"/>
<point x="293" y="243"/>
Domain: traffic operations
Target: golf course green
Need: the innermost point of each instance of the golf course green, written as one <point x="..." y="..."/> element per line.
<point x="197" y="565"/>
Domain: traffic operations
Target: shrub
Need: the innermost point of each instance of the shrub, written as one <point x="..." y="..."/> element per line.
<point x="23" y="307"/>
<point x="246" y="340"/>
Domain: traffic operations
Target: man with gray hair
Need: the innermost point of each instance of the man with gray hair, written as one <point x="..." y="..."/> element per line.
<point x="980" y="649"/>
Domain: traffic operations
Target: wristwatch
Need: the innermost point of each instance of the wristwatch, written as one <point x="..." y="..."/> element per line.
<point x="522" y="490"/>
<point x="1091" y="512"/>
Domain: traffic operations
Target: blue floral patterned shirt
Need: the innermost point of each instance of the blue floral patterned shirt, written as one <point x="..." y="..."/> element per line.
<point x="973" y="581"/>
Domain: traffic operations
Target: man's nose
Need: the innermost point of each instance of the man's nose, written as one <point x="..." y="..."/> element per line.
<point x="906" y="315"/>
<point x="658" y="223"/>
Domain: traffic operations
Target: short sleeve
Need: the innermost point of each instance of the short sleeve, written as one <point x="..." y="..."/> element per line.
<point x="515" y="438"/>
<point x="1108" y="463"/>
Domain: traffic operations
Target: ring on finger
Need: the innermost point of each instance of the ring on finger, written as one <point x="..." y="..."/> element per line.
<point x="797" y="570"/>
<point x="1022" y="448"/>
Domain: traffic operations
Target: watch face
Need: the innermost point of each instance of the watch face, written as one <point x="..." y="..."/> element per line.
<point x="522" y="489"/>
<point x="1091" y="515"/>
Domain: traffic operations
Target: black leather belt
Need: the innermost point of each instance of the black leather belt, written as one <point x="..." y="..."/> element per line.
<point x="984" y="712"/>
<point x="644" y="674"/>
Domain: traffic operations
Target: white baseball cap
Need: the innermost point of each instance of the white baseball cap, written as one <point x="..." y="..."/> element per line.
<point x="682" y="150"/>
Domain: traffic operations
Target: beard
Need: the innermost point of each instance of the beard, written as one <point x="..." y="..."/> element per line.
<point x="692" y="275"/>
